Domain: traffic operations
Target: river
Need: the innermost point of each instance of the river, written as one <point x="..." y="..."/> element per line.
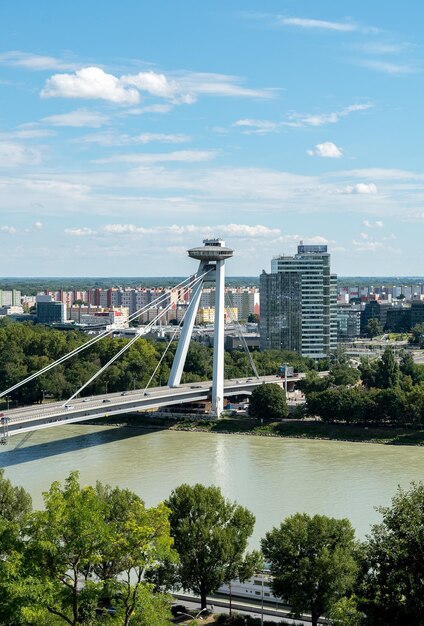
<point x="273" y="477"/>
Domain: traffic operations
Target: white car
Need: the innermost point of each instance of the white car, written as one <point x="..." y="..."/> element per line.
<point x="68" y="407"/>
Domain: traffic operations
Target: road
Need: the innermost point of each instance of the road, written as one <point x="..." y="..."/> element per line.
<point x="40" y="416"/>
<point x="221" y="605"/>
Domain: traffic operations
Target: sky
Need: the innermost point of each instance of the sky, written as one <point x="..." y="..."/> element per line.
<point x="132" y="130"/>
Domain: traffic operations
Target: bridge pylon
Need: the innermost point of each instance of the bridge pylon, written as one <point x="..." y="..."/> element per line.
<point x="212" y="256"/>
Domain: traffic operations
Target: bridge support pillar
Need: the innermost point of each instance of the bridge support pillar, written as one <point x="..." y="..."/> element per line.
<point x="186" y="332"/>
<point x="218" y="341"/>
<point x="211" y="256"/>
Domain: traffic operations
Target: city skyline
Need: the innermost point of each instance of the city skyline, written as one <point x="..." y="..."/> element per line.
<point x="129" y="133"/>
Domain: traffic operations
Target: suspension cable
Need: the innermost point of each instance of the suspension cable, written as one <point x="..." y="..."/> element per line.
<point x="133" y="340"/>
<point x="165" y="351"/>
<point x="102" y="335"/>
<point x="241" y="337"/>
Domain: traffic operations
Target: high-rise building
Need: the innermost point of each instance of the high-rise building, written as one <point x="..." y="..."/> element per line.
<point x="299" y="303"/>
<point x="49" y="311"/>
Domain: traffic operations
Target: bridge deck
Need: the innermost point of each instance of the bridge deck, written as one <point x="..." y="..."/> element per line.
<point x="35" y="417"/>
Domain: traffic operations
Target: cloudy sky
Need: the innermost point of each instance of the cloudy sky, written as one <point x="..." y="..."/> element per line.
<point x="131" y="130"/>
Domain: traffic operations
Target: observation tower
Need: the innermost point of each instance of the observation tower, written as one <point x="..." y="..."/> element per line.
<point x="212" y="256"/>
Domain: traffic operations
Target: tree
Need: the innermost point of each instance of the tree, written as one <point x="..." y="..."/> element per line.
<point x="140" y="541"/>
<point x="393" y="588"/>
<point x="418" y="335"/>
<point x="374" y="328"/>
<point x="388" y="373"/>
<point x="210" y="535"/>
<point x="91" y="546"/>
<point x="15" y="502"/>
<point x="343" y="374"/>
<point x="268" y="401"/>
<point x="312" y="561"/>
<point x="15" y="506"/>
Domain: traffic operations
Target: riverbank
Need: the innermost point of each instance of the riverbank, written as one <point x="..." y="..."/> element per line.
<point x="300" y="429"/>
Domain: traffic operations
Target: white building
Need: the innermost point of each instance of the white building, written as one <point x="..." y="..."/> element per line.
<point x="303" y="303"/>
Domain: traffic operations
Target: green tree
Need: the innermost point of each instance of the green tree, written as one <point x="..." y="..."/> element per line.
<point x="345" y="612"/>
<point x="210" y="535"/>
<point x="268" y="401"/>
<point x="417" y="337"/>
<point x="89" y="547"/>
<point x="374" y="328"/>
<point x="15" y="506"/>
<point x="388" y="373"/>
<point x="393" y="588"/>
<point x="312" y="561"/>
<point x="343" y="374"/>
<point x="140" y="541"/>
<point x="15" y="502"/>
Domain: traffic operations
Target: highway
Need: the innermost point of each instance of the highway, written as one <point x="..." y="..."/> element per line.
<point x="38" y="416"/>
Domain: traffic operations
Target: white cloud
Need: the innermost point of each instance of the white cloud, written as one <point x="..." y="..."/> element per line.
<point x="300" y="119"/>
<point x="388" y="68"/>
<point x="38" y="225"/>
<point x="317" y="24"/>
<point x="79" y="232"/>
<point x="15" y="154"/>
<point x="202" y="83"/>
<point x="183" y="88"/>
<point x="90" y="83"/>
<point x="233" y="230"/>
<point x="153" y="83"/>
<point x="297" y="120"/>
<point x="258" y="127"/>
<point x="376" y="224"/>
<point x="361" y="188"/>
<point x="78" y="118"/>
<point x="27" y="132"/>
<point x="186" y="156"/>
<point x="8" y="230"/>
<point x="328" y="149"/>
<point x="367" y="246"/>
<point x="37" y="62"/>
<point x="112" y="139"/>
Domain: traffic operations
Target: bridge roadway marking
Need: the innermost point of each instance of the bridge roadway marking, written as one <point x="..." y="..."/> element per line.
<point x="36" y="417"/>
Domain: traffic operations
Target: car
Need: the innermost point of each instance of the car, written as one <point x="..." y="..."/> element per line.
<point x="68" y="407"/>
<point x="146" y="394"/>
<point x="124" y="393"/>
<point x="87" y="399"/>
<point x="196" y="387"/>
<point x="106" y="400"/>
<point x="249" y="380"/>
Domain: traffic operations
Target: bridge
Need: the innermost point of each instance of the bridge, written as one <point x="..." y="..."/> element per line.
<point x="211" y="256"/>
<point x="36" y="417"/>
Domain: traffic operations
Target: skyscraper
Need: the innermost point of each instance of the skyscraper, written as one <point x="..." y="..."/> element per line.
<point x="298" y="303"/>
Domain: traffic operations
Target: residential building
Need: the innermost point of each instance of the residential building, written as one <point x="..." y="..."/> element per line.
<point x="348" y="321"/>
<point x="298" y="303"/>
<point x="49" y="311"/>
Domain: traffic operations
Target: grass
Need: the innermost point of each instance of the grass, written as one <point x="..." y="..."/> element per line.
<point x="302" y="429"/>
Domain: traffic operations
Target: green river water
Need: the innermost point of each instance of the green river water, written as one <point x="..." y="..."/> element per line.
<point x="272" y="477"/>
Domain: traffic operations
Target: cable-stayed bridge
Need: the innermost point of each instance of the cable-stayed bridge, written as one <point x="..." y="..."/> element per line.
<point x="36" y="417"/>
<point x="212" y="256"/>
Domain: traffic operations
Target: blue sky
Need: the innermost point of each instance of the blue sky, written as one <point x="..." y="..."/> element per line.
<point x="130" y="131"/>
